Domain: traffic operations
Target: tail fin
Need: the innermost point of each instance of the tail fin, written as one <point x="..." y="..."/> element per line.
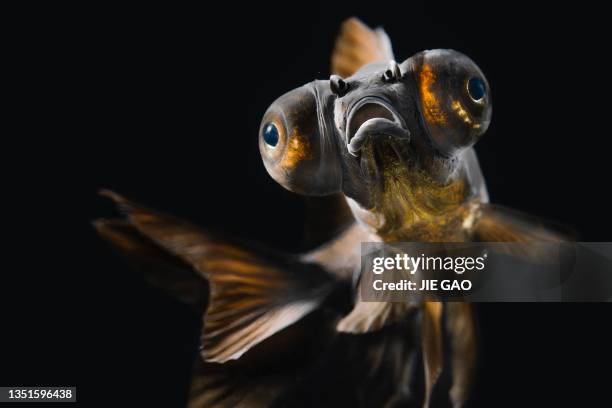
<point x="254" y="293"/>
<point x="161" y="268"/>
<point x="225" y="387"/>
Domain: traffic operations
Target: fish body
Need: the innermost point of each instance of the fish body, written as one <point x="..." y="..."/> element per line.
<point x="391" y="146"/>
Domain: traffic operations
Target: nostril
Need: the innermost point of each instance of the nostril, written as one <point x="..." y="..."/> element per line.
<point x="338" y="86"/>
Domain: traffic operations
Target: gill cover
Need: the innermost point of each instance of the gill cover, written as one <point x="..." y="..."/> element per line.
<point x="297" y="142"/>
<point x="453" y="97"/>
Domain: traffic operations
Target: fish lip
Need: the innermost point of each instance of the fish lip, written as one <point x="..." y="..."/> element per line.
<point x="370" y="99"/>
<point x="369" y="166"/>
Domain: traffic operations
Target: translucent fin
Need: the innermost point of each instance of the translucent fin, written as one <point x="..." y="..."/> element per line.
<point x="254" y="293"/>
<point x="358" y="45"/>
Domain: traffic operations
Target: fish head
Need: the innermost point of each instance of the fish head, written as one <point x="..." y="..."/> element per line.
<point x="406" y="132"/>
<point x="391" y="137"/>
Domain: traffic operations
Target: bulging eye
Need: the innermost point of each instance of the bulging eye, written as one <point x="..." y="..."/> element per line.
<point x="297" y="151"/>
<point x="270" y="135"/>
<point x="476" y="89"/>
<point x="455" y="99"/>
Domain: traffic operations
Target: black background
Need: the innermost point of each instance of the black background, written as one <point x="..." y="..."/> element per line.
<point x="163" y="105"/>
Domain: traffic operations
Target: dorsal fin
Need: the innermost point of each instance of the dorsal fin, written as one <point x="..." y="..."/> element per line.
<point x="357" y="45"/>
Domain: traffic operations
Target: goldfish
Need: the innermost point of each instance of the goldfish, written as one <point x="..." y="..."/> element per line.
<point x="391" y="146"/>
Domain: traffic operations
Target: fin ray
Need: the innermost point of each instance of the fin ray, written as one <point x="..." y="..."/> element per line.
<point x="357" y="45"/>
<point x="499" y="224"/>
<point x="461" y="329"/>
<point x="254" y="293"/>
<point x="433" y="356"/>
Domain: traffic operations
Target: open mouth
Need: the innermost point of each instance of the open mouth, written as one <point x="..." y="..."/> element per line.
<point x="373" y="117"/>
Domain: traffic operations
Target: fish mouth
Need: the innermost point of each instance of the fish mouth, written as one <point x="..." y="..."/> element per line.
<point x="373" y="117"/>
<point x="379" y="147"/>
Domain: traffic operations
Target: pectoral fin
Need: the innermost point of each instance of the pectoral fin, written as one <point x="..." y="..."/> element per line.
<point x="254" y="293"/>
<point x="500" y="224"/>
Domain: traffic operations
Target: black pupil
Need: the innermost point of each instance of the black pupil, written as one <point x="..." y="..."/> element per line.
<point x="476" y="88"/>
<point x="270" y="134"/>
